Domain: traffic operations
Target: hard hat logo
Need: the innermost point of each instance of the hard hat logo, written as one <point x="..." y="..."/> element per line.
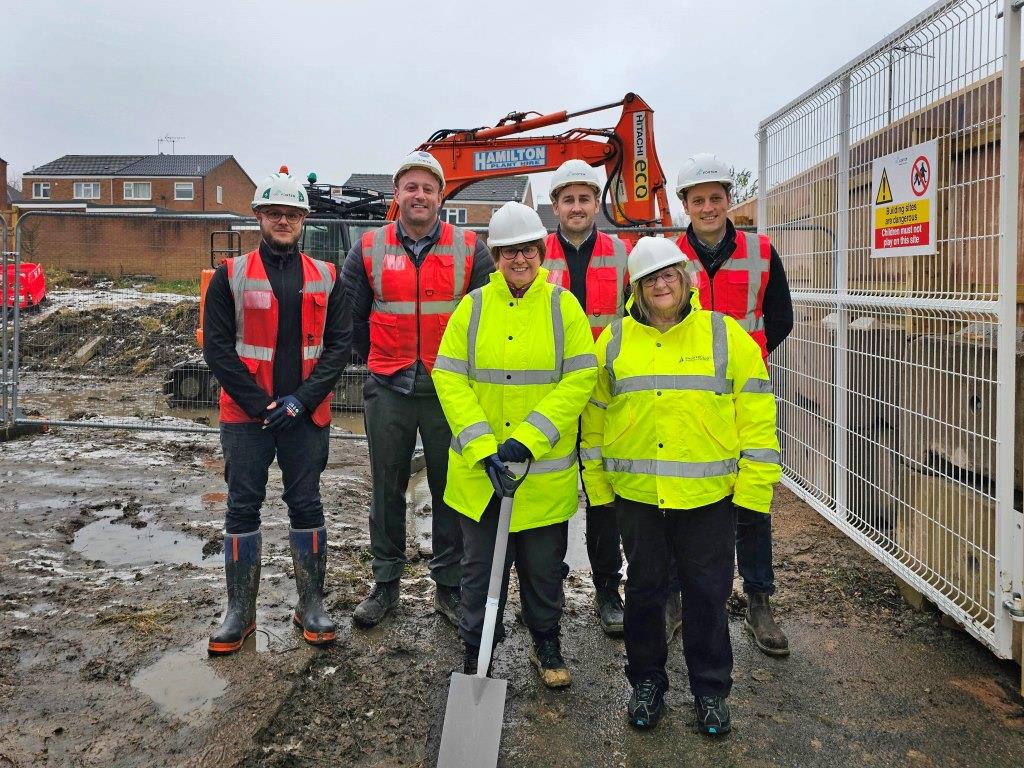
<point x="266" y="194"/>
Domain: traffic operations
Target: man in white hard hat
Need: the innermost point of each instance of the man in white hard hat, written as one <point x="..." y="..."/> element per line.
<point x="739" y="274"/>
<point x="404" y="280"/>
<point x="592" y="265"/>
<point x="277" y="334"/>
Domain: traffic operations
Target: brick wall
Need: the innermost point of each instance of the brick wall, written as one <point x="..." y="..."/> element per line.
<point x="238" y="189"/>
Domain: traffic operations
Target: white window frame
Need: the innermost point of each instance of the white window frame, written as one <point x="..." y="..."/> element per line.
<point x="40" y="190"/>
<point x="133" y="186"/>
<point x="179" y="189"/>
<point x="454" y="215"/>
<point x="220" y="195"/>
<point x="94" y="187"/>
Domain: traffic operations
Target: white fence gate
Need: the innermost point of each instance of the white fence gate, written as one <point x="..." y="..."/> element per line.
<point x="897" y="386"/>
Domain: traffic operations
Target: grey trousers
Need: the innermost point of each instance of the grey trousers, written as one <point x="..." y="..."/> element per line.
<point x="392" y="420"/>
<point x="538" y="555"/>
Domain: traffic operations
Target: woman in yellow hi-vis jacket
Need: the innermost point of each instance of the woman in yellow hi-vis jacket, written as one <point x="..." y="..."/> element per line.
<point x="679" y="432"/>
<point x="515" y="368"/>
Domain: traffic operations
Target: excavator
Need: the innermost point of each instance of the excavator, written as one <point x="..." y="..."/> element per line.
<point x="634" y="198"/>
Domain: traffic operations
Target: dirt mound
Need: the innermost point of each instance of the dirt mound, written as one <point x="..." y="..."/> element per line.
<point x="112" y="340"/>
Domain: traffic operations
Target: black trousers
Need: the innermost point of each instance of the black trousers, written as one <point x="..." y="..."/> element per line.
<point x="538" y="555"/>
<point x="392" y="420"/>
<point x="603" y="549"/>
<point x="703" y="542"/>
<point x="249" y="450"/>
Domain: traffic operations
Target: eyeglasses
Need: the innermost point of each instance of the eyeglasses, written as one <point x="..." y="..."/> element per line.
<point x="290" y="216"/>
<point x="528" y="251"/>
<point x="669" y="278"/>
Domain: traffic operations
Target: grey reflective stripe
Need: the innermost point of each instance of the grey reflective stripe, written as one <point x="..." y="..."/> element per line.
<point x="673" y="382"/>
<point x="751" y="324"/>
<point x="512" y="378"/>
<point x="613" y="349"/>
<point x="437" y="307"/>
<point x="758" y="386"/>
<point x="377" y="253"/>
<point x="598" y="403"/>
<point x="579" y="362"/>
<point x="460" y="252"/>
<point x="451" y="364"/>
<point x="686" y="469"/>
<point x="600" y="321"/>
<point x="545" y="425"/>
<point x="766" y="455"/>
<point x="477" y="298"/>
<point x="395" y="307"/>
<point x="469" y="434"/>
<point x="719" y="344"/>
<point x="589" y="454"/>
<point x="553" y="465"/>
<point x="558" y="328"/>
<point x="236" y="280"/>
<point x="312" y="352"/>
<point x="253" y="352"/>
<point x="754" y="266"/>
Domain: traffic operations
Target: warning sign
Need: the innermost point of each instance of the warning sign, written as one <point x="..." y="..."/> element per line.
<point x="904" y="209"/>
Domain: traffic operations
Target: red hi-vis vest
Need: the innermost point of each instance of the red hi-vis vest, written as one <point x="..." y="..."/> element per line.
<point x="738" y="287"/>
<point x="606" y="277"/>
<point x="411" y="306"/>
<point x="256" y="319"/>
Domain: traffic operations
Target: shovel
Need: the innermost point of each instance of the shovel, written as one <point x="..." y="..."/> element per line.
<point x="476" y="703"/>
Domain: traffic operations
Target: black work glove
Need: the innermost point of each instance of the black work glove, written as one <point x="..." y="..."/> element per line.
<point x="514" y="451"/>
<point x="495" y="469"/>
<point x="284" y="413"/>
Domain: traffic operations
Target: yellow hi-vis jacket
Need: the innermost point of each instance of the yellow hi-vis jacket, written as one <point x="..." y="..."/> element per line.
<point x="520" y="368"/>
<point x="681" y="419"/>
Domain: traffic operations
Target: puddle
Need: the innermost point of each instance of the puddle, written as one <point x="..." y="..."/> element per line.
<point x="182" y="683"/>
<point x="123" y="545"/>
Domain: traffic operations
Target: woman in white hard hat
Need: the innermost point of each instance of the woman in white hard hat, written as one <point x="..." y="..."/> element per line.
<point x="679" y="432"/>
<point x="515" y="368"/>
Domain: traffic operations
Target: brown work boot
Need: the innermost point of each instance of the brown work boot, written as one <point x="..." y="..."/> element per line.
<point x="768" y="636"/>
<point x="546" y="655"/>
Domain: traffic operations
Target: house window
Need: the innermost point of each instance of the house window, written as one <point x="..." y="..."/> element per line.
<point x="220" y="195"/>
<point x="41" y="190"/>
<point x="138" y="190"/>
<point x="87" y="190"/>
<point x="454" y="215"/>
<point x="184" y="190"/>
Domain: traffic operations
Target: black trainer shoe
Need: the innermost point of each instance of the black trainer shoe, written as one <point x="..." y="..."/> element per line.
<point x="446" y="602"/>
<point x="646" y="704"/>
<point x="608" y="607"/>
<point x="712" y="715"/>
<point x="546" y="655"/>
<point x="382" y="598"/>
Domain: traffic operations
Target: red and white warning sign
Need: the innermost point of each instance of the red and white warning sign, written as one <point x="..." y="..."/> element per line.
<point x="903" y="195"/>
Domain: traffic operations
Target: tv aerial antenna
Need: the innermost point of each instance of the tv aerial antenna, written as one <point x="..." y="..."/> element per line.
<point x="167" y="140"/>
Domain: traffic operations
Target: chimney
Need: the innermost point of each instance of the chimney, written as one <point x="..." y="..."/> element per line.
<point x="5" y="203"/>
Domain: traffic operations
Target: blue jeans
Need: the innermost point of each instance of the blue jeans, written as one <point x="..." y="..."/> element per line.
<point x="249" y="450"/>
<point x="753" y="553"/>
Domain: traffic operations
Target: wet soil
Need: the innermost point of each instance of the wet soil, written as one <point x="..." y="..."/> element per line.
<point x="110" y="580"/>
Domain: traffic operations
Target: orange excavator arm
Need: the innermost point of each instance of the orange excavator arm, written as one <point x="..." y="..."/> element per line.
<point x="635" y="192"/>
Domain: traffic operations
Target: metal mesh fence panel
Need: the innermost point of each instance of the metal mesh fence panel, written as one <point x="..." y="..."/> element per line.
<point x="897" y="386"/>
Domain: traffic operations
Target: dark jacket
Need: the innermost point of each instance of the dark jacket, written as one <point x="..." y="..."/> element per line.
<point x="285" y="275"/>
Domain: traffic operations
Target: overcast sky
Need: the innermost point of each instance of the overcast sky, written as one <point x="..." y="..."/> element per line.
<point x="343" y="87"/>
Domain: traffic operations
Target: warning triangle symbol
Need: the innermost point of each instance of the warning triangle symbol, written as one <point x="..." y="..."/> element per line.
<point x="884" y="193"/>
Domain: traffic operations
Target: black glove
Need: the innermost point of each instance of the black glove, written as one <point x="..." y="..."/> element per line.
<point x="284" y="413"/>
<point x="495" y="469"/>
<point x="514" y="451"/>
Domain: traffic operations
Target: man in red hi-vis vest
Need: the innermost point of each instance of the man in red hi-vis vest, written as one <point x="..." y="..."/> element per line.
<point x="404" y="281"/>
<point x="592" y="265"/>
<point x="277" y="334"/>
<point x="739" y="274"/>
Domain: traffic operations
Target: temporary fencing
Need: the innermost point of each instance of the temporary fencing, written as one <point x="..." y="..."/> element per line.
<point x="891" y="191"/>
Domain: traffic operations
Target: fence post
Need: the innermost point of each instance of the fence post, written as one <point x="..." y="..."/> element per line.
<point x="840" y="271"/>
<point x="1009" y="549"/>
<point x="16" y="291"/>
<point x="5" y="416"/>
<point x="762" y="179"/>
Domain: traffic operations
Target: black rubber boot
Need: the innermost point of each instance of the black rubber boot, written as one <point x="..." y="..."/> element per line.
<point x="242" y="570"/>
<point x="309" y="557"/>
<point x="768" y="636"/>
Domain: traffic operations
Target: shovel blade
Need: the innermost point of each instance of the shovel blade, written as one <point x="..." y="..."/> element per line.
<point x="472" y="722"/>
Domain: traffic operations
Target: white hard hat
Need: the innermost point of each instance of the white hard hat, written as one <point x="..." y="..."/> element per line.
<point x="702" y="168"/>
<point x="514" y="223"/>
<point x="281" y="189"/>
<point x="651" y="254"/>
<point x="573" y="172"/>
<point x="420" y="159"/>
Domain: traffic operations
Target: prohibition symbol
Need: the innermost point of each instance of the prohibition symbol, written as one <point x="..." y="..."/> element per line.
<point x="920" y="175"/>
<point x="884" y="193"/>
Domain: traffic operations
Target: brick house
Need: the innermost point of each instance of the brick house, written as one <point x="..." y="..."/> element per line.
<point x="8" y="194"/>
<point x="471" y="206"/>
<point x="179" y="183"/>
